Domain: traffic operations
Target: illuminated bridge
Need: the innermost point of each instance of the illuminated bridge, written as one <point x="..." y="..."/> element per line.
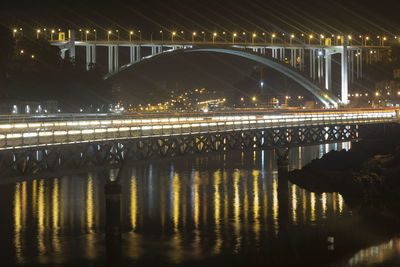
<point x="31" y="145"/>
<point x="309" y="65"/>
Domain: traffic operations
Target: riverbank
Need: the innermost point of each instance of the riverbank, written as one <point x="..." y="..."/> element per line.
<point x="368" y="174"/>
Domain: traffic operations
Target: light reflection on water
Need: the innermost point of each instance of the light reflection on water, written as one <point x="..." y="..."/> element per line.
<point x="191" y="208"/>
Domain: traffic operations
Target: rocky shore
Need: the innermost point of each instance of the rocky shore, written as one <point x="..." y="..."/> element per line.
<point x="369" y="173"/>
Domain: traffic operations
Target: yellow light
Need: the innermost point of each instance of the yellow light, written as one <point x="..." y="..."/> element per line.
<point x="254" y="98"/>
<point x="322" y="36"/>
<point x="32" y="56"/>
<point x="109" y="32"/>
<point x="38" y="31"/>
<point x="15" y="30"/>
<point x="384" y="38"/>
<point x="273" y="35"/>
<point x="349" y="37"/>
<point x="87" y="31"/>
<point x="174" y="33"/>
<point x="292" y="36"/>
<point x="311" y="36"/>
<point x="194" y="33"/>
<point x="377" y="93"/>
<point x="52" y="31"/>
<point x="22" y="51"/>
<point x="215" y="34"/>
<point x="367" y="38"/>
<point x="234" y="35"/>
<point x="254" y="35"/>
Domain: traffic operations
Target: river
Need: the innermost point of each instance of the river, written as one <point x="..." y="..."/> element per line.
<point x="216" y="209"/>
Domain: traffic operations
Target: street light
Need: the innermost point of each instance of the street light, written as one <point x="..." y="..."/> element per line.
<point x="366" y="39"/>
<point x="193" y="35"/>
<point x="80" y="31"/>
<point x="95" y="35"/>
<point x="349" y="37"/>
<point x="321" y="37"/>
<point x="291" y="39"/>
<point x="108" y="35"/>
<point x="37" y="33"/>
<point x="130" y="36"/>
<point x="86" y="33"/>
<point x="172" y="36"/>
<point x="204" y="35"/>
<point x="162" y="36"/>
<point x="224" y="34"/>
<point x="272" y="38"/>
<point x="252" y="37"/>
<point x="14" y="32"/>
<point x="233" y="37"/>
<point x="265" y="37"/>
<point x="383" y="41"/>
<point x="213" y="37"/>
<point x="51" y="34"/>
<point x="244" y="34"/>
<point x="309" y="38"/>
<point x="117" y="34"/>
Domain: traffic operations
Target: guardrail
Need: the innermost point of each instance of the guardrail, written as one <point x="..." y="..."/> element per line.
<point x="84" y="128"/>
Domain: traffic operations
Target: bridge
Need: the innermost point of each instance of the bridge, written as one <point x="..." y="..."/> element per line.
<point x="291" y="59"/>
<point x="36" y="144"/>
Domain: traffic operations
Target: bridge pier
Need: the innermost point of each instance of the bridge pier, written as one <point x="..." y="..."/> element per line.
<point x="132" y="58"/>
<point x="345" y="82"/>
<point x="328" y="70"/>
<point x="113" y="64"/>
<point x="90" y="56"/>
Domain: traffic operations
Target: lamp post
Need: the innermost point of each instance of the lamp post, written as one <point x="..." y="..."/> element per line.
<point x="140" y="35"/>
<point x="130" y="36"/>
<point x="265" y="37"/>
<point x="349" y="38"/>
<point x="244" y="35"/>
<point x="172" y="36"/>
<point x="224" y="34"/>
<point x="291" y="39"/>
<point x="213" y="37"/>
<point x="252" y="37"/>
<point x="37" y="33"/>
<point x="80" y="31"/>
<point x="51" y="34"/>
<point x="321" y="37"/>
<point x="108" y="35"/>
<point x="193" y="35"/>
<point x="14" y="32"/>
<point x="95" y="34"/>
<point x="272" y="38"/>
<point x="233" y="37"/>
<point x="383" y="41"/>
<point x="86" y="34"/>
<point x="366" y="39"/>
<point x="162" y="35"/>
<point x="309" y="39"/>
<point x="117" y="34"/>
<point x="204" y="35"/>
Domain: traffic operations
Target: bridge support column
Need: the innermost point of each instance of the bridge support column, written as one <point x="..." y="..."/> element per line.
<point x="132" y="54"/>
<point x="90" y="56"/>
<point x="113" y="58"/>
<point x="138" y="56"/>
<point x="352" y="65"/>
<point x="153" y="50"/>
<point x="328" y="70"/>
<point x="345" y="82"/>
<point x="361" y="63"/>
<point x="72" y="45"/>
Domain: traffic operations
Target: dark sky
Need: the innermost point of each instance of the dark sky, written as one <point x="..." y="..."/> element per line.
<point x="325" y="16"/>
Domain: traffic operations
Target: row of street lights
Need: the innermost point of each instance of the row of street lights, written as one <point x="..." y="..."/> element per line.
<point x="337" y="39"/>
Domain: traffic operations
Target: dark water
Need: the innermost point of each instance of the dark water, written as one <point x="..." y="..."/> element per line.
<point x="220" y="209"/>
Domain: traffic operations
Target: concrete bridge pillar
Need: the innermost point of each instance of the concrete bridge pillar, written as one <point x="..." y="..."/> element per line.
<point x="328" y="70"/>
<point x="132" y="54"/>
<point x="90" y="56"/>
<point x="153" y="50"/>
<point x="113" y="64"/>
<point x="361" y="63"/>
<point x="138" y="56"/>
<point x="72" y="45"/>
<point x="345" y="82"/>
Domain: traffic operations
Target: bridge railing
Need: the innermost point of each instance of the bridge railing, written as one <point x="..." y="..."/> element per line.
<point x="36" y="134"/>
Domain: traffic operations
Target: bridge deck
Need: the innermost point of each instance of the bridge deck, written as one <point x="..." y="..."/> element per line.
<point x="41" y="131"/>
